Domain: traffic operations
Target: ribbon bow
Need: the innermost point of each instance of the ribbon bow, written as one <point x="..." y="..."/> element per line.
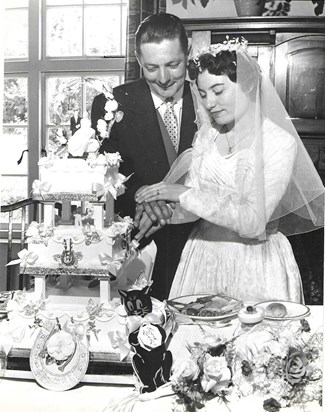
<point x="25" y="258"/>
<point x="39" y="188"/>
<point x="114" y="187"/>
<point x="113" y="264"/>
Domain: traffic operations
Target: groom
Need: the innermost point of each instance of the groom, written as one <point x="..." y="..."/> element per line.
<point x="149" y="139"/>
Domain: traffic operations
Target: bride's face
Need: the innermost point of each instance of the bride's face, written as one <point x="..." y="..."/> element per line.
<point x="224" y="99"/>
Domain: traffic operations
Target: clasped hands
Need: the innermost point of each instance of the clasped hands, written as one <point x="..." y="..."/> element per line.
<point x="155" y="207"/>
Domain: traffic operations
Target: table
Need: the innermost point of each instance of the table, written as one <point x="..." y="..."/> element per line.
<point x="28" y="396"/>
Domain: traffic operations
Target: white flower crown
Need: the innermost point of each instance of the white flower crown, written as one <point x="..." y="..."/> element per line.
<point x="229" y="44"/>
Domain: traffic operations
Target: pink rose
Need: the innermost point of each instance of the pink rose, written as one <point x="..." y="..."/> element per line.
<point x="216" y="375"/>
<point x="296" y="367"/>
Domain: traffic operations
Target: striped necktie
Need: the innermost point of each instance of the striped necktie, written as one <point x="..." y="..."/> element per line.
<point x="170" y="121"/>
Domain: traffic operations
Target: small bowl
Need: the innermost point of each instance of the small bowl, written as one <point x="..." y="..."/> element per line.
<point x="251" y="315"/>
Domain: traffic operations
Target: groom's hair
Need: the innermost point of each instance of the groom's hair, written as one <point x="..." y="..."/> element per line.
<point x="158" y="27"/>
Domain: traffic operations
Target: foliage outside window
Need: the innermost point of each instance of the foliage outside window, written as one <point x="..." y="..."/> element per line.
<point x="68" y="41"/>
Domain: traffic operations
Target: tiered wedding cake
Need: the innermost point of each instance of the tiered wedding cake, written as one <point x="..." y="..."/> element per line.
<point x="59" y="328"/>
<point x="88" y="241"/>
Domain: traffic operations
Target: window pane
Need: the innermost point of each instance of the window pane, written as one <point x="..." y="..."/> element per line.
<point x="11" y="4"/>
<point x="62" y="2"/>
<point x="91" y="91"/>
<point x="13" y="188"/>
<point x="105" y="1"/>
<point x="64" y="31"/>
<point x="66" y="93"/>
<point x="106" y="41"/>
<point x="16" y="34"/>
<point x="15" y="108"/>
<point x="56" y="137"/>
<point x="63" y="94"/>
<point x="15" y="141"/>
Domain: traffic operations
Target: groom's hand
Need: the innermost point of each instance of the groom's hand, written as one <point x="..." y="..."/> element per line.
<point x="146" y="227"/>
<point x="159" y="212"/>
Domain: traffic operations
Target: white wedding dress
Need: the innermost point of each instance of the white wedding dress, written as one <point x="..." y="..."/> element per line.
<point x="223" y="253"/>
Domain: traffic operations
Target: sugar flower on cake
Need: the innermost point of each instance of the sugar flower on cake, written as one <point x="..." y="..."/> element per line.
<point x="39" y="233"/>
<point x="113" y="159"/>
<point x="60" y="345"/>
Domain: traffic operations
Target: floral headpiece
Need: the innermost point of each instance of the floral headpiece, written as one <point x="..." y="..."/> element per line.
<point x="229" y="44"/>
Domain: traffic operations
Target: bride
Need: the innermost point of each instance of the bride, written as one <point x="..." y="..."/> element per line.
<point x="249" y="183"/>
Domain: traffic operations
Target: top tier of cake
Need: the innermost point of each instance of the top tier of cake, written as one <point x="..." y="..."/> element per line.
<point x="77" y="178"/>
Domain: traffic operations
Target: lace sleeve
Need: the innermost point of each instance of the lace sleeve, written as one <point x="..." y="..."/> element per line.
<point x="237" y="206"/>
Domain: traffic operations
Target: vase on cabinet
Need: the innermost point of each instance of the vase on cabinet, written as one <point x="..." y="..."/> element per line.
<point x="247" y="8"/>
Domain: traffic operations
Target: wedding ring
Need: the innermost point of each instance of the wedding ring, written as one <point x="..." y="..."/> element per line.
<point x="157" y="191"/>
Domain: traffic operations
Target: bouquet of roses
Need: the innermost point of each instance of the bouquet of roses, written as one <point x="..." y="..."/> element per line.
<point x="279" y="363"/>
<point x="205" y="375"/>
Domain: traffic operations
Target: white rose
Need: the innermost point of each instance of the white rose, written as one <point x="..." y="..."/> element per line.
<point x="216" y="375"/>
<point x="111" y="105"/>
<point x="109" y="116"/>
<point x="186" y="369"/>
<point x="101" y="125"/>
<point x="251" y="345"/>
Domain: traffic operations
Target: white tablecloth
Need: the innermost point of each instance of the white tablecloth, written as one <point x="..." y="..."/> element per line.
<point x="27" y="396"/>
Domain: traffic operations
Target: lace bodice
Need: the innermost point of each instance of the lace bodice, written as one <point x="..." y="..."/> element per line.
<point x="224" y="189"/>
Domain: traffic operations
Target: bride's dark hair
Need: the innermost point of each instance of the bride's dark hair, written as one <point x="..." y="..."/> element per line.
<point x="225" y="63"/>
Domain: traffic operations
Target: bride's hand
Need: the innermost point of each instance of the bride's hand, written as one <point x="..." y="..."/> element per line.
<point x="160" y="191"/>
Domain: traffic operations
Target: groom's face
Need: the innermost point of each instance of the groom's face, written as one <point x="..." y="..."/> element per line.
<point x="164" y="66"/>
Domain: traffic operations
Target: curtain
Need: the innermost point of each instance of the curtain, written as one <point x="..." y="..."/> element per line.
<point x="138" y="10"/>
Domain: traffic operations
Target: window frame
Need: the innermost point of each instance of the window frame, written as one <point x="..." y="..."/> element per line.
<point x="37" y="66"/>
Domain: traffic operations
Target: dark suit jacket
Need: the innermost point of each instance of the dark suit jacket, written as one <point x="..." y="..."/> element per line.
<point x="73" y="124"/>
<point x="139" y="141"/>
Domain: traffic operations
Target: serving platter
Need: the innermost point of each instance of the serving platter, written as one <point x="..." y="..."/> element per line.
<point x="228" y="307"/>
<point x="294" y="310"/>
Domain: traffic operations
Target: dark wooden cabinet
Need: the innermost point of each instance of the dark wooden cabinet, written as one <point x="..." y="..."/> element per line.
<point x="299" y="61"/>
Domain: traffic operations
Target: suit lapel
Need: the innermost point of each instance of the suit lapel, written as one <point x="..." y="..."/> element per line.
<point x="188" y="125"/>
<point x="146" y="127"/>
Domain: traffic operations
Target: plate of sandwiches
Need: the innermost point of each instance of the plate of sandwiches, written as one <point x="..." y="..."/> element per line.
<point x="283" y="310"/>
<point x="207" y="307"/>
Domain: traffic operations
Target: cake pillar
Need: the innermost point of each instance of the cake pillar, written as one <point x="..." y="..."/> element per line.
<point x="48" y="214"/>
<point x="39" y="287"/>
<point x="109" y="219"/>
<point x="66" y="211"/>
<point x="104" y="290"/>
<point x="98" y="215"/>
